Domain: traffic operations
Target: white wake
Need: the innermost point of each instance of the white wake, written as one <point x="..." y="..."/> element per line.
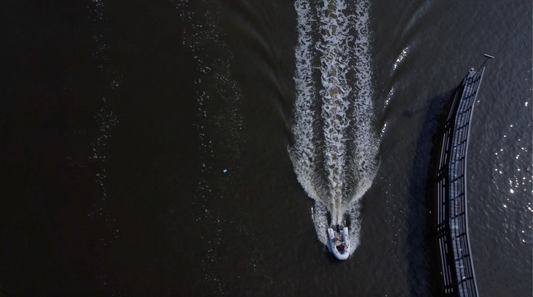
<point x="335" y="148"/>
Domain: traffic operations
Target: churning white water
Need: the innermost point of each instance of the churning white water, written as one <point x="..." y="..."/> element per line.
<point x="335" y="147"/>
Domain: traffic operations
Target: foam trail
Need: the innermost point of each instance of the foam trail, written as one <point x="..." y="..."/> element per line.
<point x="335" y="149"/>
<point x="333" y="68"/>
<point x="305" y="152"/>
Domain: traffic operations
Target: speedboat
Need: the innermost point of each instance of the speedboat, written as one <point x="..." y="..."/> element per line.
<point x="338" y="243"/>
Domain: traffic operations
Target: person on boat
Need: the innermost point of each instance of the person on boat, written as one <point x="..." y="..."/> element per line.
<point x="341" y="248"/>
<point x="339" y="236"/>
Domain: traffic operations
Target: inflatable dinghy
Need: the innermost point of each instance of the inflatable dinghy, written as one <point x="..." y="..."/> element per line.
<point x="338" y="243"/>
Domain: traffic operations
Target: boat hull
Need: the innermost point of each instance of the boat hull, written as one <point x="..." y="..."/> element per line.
<point x="340" y="248"/>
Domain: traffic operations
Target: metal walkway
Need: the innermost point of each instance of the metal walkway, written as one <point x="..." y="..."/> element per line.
<point x="452" y="212"/>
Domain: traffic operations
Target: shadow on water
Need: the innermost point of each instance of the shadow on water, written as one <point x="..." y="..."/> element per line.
<point x="423" y="280"/>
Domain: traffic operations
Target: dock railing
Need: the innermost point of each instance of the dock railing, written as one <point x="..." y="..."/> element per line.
<point x="452" y="212"/>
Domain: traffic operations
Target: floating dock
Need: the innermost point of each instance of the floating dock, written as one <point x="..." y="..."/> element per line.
<point x="457" y="267"/>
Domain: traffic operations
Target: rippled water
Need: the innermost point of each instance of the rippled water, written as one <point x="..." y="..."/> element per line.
<point x="145" y="145"/>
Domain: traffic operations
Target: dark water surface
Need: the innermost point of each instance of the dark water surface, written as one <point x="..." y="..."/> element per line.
<point x="145" y="149"/>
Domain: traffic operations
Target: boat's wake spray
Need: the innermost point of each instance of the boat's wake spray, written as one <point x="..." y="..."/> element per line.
<point x="335" y="147"/>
